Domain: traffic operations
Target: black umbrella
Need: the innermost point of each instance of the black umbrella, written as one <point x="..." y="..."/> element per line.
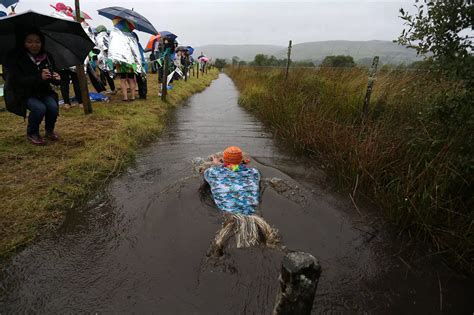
<point x="140" y="22"/>
<point x="65" y="40"/>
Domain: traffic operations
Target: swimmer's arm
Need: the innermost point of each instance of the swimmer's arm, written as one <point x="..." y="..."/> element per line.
<point x="216" y="160"/>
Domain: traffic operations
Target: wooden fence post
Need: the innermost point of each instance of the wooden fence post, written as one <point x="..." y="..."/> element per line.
<point x="370" y="85"/>
<point x="299" y="280"/>
<point x="288" y="61"/>
<point x="81" y="76"/>
<point x="164" y="81"/>
<point x="192" y="67"/>
<point x="197" y="70"/>
<point x="186" y="68"/>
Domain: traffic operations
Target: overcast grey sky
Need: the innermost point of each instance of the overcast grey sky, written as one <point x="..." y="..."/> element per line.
<point x="255" y="22"/>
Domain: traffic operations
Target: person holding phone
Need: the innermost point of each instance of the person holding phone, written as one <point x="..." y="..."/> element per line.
<point x="30" y="71"/>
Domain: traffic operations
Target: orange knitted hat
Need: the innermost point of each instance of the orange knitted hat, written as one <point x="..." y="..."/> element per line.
<point x="233" y="155"/>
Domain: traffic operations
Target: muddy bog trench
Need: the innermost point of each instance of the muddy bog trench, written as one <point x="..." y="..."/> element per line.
<point x="141" y="247"/>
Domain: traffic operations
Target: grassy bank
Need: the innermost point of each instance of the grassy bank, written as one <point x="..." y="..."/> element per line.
<point x="413" y="157"/>
<point x="39" y="184"/>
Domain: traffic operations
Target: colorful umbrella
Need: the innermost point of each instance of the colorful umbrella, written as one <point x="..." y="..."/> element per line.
<point x="151" y="43"/>
<point x="123" y="25"/>
<point x="62" y="11"/>
<point x="65" y="40"/>
<point x="138" y="20"/>
<point x="190" y="50"/>
<point x="59" y="6"/>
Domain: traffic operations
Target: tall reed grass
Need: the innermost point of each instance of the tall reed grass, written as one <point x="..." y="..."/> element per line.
<point x="413" y="156"/>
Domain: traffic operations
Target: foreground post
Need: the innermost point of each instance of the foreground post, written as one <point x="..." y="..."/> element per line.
<point x="299" y="279"/>
<point x="197" y="70"/>
<point x="81" y="76"/>
<point x="370" y="85"/>
<point x="288" y="61"/>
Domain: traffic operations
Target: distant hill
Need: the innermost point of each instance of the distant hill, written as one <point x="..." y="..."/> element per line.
<point x="362" y="51"/>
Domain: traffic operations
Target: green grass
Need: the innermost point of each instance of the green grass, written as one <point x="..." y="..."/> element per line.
<point x="39" y="184"/>
<point x="413" y="157"/>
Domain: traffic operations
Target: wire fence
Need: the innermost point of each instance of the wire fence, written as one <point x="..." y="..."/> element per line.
<point x="389" y="69"/>
<point x="357" y="83"/>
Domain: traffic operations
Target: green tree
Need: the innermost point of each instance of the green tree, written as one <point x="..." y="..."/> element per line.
<point x="268" y="61"/>
<point x="302" y="63"/>
<point x="260" y="60"/>
<point x="422" y="65"/>
<point x="235" y="60"/>
<point x="220" y="63"/>
<point x="442" y="29"/>
<point x="338" y="61"/>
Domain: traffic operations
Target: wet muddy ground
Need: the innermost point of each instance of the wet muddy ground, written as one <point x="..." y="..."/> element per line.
<point x="142" y="248"/>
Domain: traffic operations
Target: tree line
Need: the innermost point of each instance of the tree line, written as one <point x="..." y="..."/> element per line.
<point x="337" y="61"/>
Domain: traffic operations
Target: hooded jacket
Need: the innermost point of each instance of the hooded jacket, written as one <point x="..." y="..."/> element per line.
<point x="23" y="81"/>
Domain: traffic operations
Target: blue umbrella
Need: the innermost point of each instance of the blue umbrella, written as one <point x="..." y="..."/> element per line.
<point x="190" y="50"/>
<point x="140" y="22"/>
<point x="168" y="34"/>
<point x="7" y="3"/>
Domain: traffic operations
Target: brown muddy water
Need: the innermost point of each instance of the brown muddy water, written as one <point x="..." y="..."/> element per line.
<point x="142" y="248"/>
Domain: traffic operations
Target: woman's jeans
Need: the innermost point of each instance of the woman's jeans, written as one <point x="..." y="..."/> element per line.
<point x="45" y="106"/>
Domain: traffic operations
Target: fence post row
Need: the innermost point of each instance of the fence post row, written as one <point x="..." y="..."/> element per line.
<point x="186" y="73"/>
<point x="81" y="76"/>
<point x="164" y="81"/>
<point x="288" y="61"/>
<point x="370" y="85"/>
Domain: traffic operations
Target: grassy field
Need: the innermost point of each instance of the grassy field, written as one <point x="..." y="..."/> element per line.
<point x="40" y="184"/>
<point x="413" y="156"/>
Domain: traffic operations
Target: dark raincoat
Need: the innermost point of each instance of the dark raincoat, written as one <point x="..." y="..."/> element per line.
<point x="23" y="81"/>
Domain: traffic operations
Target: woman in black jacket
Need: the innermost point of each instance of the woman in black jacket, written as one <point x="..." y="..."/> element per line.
<point x="30" y="71"/>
